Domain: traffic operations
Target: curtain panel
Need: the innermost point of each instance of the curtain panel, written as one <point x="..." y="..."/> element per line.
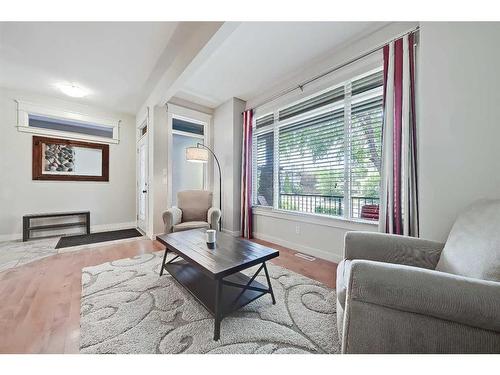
<point x="398" y="190"/>
<point x="246" y="176"/>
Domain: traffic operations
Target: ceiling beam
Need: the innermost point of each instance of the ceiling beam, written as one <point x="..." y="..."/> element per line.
<point x="189" y="47"/>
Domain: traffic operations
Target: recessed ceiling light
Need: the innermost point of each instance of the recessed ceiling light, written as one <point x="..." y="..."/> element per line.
<point x="72" y="90"/>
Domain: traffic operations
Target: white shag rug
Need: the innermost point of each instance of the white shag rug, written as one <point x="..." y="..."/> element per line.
<point x="127" y="307"/>
<point x="18" y="253"/>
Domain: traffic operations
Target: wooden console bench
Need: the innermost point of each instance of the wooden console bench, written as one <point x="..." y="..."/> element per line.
<point x="27" y="227"/>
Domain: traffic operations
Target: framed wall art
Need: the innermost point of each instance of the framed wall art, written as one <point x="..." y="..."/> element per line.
<point x="68" y="160"/>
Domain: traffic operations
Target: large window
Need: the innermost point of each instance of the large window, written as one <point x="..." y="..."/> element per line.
<point x="322" y="155"/>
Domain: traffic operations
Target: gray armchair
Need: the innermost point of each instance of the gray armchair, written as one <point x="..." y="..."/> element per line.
<point x="398" y="294"/>
<point x="194" y="210"/>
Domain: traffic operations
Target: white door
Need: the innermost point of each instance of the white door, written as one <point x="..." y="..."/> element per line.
<point x="142" y="184"/>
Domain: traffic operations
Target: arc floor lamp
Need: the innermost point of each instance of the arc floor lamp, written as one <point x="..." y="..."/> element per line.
<point x="199" y="154"/>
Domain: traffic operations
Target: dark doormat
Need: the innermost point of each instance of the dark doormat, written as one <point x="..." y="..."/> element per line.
<point x="85" y="239"/>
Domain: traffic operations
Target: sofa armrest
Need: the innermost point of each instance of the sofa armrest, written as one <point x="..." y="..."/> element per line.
<point x="171" y="217"/>
<point x="213" y="217"/>
<point x="392" y="248"/>
<point x="464" y="300"/>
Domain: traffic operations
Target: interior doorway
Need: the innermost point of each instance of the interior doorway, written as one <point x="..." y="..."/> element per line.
<point x="186" y="175"/>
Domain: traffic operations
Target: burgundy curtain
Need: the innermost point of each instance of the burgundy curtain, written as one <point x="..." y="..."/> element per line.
<point x="399" y="192"/>
<point x="246" y="176"/>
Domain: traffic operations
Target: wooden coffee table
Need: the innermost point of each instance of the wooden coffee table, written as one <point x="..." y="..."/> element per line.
<point x="213" y="275"/>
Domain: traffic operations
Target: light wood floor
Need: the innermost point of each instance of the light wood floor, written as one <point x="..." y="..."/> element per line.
<point x="40" y="301"/>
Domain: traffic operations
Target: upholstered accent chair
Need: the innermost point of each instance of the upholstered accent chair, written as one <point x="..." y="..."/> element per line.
<point x="399" y="294"/>
<point x="194" y="210"/>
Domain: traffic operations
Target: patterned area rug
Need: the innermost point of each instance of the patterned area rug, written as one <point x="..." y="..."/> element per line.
<point x="18" y="253"/>
<point x="127" y="308"/>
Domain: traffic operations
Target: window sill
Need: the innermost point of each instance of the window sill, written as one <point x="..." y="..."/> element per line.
<point x="329" y="221"/>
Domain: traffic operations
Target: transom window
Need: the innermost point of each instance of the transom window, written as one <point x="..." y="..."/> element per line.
<point x="61" y="123"/>
<point x="322" y="155"/>
<point x="44" y="122"/>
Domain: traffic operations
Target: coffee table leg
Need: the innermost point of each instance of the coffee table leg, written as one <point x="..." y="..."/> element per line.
<point x="269" y="283"/>
<point x="163" y="263"/>
<point x="218" y="310"/>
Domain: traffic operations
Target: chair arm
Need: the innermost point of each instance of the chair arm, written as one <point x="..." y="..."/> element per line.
<point x="464" y="300"/>
<point x="171" y="217"/>
<point x="392" y="248"/>
<point x="213" y="217"/>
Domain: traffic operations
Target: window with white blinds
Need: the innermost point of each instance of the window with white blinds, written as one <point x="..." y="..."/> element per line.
<point x="265" y="169"/>
<point x="327" y="155"/>
<point x="365" y="157"/>
<point x="318" y="101"/>
<point x="311" y="164"/>
<point x="264" y="121"/>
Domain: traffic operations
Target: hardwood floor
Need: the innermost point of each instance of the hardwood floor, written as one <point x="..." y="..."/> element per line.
<point x="40" y="301"/>
<point x="318" y="269"/>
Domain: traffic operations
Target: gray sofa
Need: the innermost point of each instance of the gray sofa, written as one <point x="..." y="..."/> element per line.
<point x="399" y="294"/>
<point x="194" y="210"/>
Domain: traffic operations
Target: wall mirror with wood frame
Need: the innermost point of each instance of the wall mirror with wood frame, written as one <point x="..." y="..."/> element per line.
<point x="66" y="160"/>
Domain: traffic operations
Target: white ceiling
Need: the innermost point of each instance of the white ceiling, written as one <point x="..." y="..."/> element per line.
<point x="120" y="63"/>
<point x="257" y="55"/>
<point x="113" y="60"/>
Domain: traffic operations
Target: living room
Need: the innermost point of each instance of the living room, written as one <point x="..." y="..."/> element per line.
<point x="249" y="187"/>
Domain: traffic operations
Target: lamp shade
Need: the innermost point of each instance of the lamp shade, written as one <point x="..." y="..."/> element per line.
<point x="197" y="155"/>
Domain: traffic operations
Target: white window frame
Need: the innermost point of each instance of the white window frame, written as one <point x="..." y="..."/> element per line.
<point x="25" y="109"/>
<point x="345" y="103"/>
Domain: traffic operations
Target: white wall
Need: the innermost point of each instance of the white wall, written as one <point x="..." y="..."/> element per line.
<point x="111" y="204"/>
<point x="227" y="133"/>
<point x="459" y="123"/>
<point x="238" y="108"/>
<point x="159" y="195"/>
<point x="320" y="237"/>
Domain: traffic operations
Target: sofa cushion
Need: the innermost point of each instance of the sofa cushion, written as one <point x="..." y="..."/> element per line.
<point x="473" y="246"/>
<point x="343" y="272"/>
<point x="191" y="225"/>
<point x="194" y="204"/>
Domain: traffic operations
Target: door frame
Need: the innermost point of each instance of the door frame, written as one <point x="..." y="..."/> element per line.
<point x="142" y="139"/>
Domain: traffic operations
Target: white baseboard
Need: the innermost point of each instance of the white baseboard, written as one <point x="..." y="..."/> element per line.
<point x="93" y="229"/>
<point x="10" y="237"/>
<point x="332" y="257"/>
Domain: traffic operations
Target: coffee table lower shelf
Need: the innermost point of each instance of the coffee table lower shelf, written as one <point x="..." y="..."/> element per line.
<point x="232" y="292"/>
